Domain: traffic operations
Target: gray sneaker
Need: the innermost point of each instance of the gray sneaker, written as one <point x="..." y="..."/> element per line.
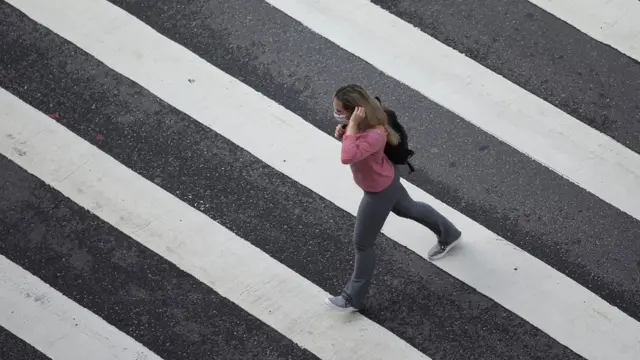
<point x="339" y="303"/>
<point x="439" y="250"/>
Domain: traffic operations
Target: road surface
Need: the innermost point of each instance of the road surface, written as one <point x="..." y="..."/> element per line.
<point x="171" y="189"/>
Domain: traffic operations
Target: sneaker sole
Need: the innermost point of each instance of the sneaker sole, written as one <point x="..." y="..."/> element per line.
<point x="453" y="244"/>
<point x="333" y="307"/>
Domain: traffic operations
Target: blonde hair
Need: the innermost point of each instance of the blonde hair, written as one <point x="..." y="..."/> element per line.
<point x="352" y="96"/>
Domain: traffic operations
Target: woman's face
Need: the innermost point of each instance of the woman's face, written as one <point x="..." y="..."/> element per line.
<point x="339" y="112"/>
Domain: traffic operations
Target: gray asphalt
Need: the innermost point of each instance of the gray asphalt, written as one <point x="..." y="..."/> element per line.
<point x="129" y="286"/>
<point x="463" y="166"/>
<point x="554" y="220"/>
<point x="585" y="78"/>
<point x="14" y="348"/>
<point x="262" y="206"/>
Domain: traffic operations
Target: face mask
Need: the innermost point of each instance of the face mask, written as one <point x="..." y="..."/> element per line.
<point x="340" y="118"/>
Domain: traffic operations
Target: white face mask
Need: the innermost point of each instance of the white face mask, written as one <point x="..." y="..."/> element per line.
<point x="340" y="118"/>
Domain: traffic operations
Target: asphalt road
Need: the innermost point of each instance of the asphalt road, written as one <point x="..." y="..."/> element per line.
<point x="178" y="317"/>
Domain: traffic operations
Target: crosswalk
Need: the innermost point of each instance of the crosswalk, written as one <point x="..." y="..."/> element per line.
<point x="171" y="188"/>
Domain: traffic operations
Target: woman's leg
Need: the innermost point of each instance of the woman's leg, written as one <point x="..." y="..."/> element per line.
<point x="447" y="233"/>
<point x="372" y="213"/>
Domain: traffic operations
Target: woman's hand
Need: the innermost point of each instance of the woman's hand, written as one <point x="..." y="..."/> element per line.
<point x="358" y="115"/>
<point x="340" y="130"/>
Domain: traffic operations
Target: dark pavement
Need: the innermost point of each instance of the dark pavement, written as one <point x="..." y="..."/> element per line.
<point x="177" y="317"/>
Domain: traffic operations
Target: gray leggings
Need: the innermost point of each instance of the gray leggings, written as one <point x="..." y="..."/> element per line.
<point x="372" y="213"/>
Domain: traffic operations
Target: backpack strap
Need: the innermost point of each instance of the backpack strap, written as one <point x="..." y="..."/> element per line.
<point x="411" y="169"/>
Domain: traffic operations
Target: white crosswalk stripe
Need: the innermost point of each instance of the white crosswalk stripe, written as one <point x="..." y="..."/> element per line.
<point x="480" y="96"/>
<point x="164" y="223"/>
<point x="612" y="22"/>
<point x="184" y="255"/>
<point x="57" y="326"/>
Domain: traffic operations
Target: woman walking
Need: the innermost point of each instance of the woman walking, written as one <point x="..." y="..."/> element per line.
<point x="363" y="142"/>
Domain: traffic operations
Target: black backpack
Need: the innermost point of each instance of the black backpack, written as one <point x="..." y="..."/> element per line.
<point x="398" y="154"/>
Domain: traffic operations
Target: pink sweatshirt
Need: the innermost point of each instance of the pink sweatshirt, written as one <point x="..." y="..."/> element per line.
<point x="364" y="152"/>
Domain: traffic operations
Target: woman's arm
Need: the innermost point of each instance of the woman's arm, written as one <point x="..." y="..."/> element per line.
<point x="356" y="147"/>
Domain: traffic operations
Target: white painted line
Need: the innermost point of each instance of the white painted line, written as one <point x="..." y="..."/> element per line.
<point x="536" y="292"/>
<point x="262" y="286"/>
<point x="613" y="22"/>
<point x="579" y="153"/>
<point x="53" y="323"/>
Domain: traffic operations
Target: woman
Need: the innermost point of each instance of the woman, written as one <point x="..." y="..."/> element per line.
<point x="363" y="142"/>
